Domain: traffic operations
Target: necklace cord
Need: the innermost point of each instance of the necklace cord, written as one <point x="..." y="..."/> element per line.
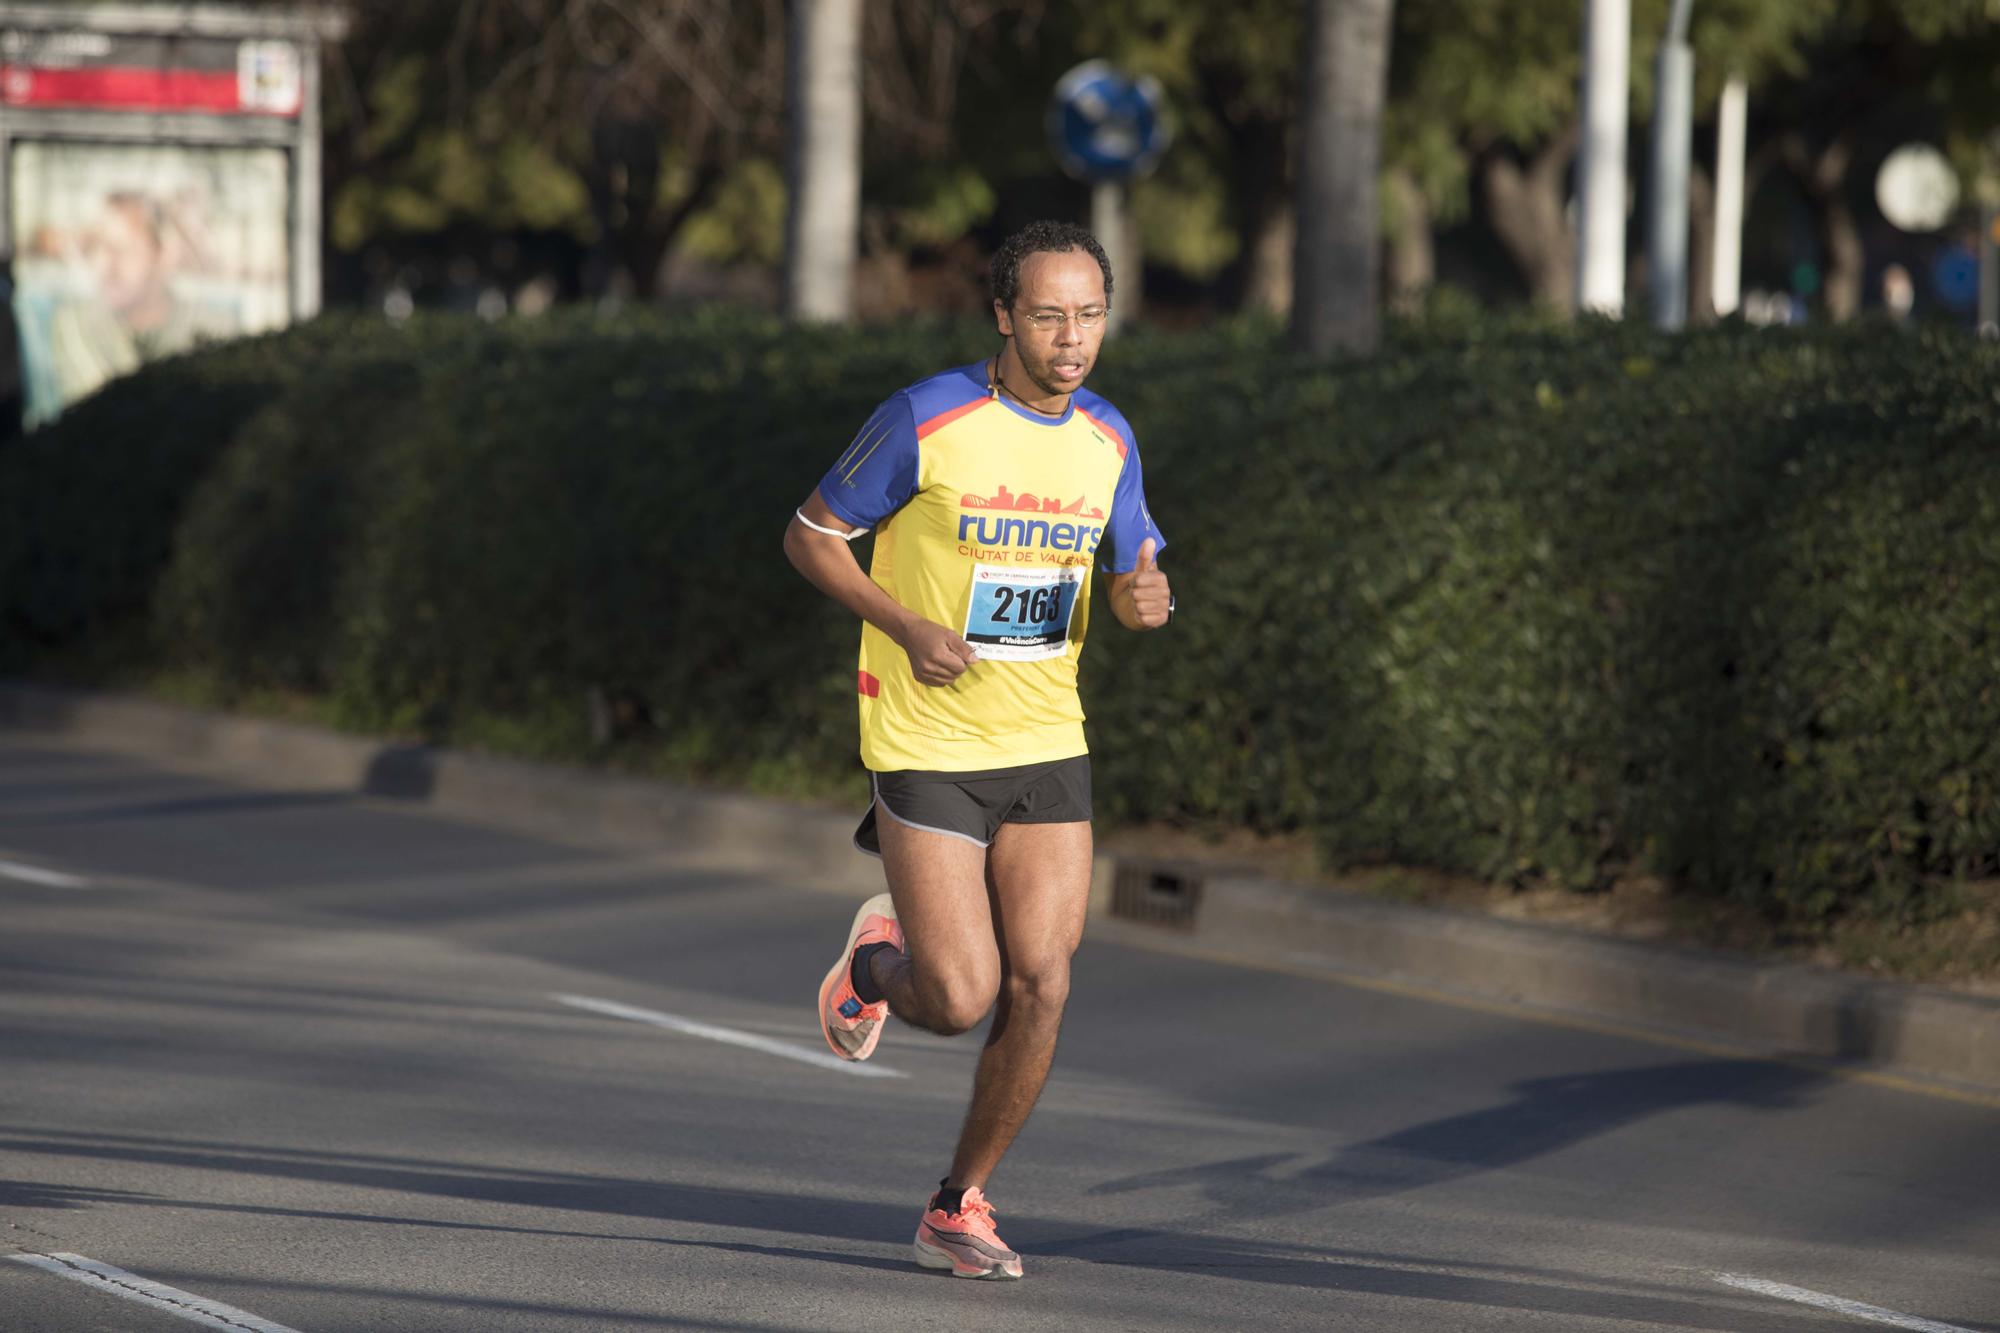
<point x="995" y="386"/>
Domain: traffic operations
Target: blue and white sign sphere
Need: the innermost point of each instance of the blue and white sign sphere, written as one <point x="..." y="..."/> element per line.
<point x="1105" y="126"/>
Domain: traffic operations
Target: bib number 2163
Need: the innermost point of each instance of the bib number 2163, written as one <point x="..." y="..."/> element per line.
<point x="1021" y="615"/>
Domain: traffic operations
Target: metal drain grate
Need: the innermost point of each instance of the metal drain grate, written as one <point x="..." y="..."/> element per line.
<point x="1160" y="895"/>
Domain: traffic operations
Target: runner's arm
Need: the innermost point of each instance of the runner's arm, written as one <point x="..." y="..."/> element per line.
<point x="937" y="656"/>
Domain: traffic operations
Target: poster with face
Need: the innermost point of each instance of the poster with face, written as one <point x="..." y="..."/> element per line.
<point x="128" y="253"/>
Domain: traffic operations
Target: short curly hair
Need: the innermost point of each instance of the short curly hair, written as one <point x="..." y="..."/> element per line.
<point x="1041" y="238"/>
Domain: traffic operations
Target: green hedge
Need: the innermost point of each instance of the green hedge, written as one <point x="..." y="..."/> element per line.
<point x="1542" y="604"/>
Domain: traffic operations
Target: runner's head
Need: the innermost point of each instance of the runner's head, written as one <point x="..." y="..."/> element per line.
<point x="1051" y="296"/>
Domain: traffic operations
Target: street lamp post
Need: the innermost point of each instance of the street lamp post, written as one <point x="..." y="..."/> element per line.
<point x="1667" y="222"/>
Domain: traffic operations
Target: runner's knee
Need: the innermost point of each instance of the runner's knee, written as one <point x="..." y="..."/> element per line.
<point x="956" y="1002"/>
<point x="1041" y="983"/>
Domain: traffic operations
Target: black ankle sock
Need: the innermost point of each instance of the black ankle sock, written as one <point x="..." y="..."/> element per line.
<point x="951" y="1200"/>
<point x="859" y="975"/>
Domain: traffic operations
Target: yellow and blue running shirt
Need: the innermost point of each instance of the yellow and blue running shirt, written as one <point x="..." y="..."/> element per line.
<point x="987" y="520"/>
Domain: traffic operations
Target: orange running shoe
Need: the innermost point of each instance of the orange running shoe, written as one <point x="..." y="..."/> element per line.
<point x="965" y="1241"/>
<point x="851" y="1027"/>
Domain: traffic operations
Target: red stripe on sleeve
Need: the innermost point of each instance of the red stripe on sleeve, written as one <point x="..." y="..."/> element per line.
<point x="868" y="685"/>
<point x="943" y="419"/>
<point x="1108" y="429"/>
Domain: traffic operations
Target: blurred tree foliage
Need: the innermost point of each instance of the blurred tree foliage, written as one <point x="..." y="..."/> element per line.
<point x="1231" y="76"/>
<point x="621" y="123"/>
<point x="1481" y="95"/>
<point x="1484" y="102"/>
<point x="1877" y="74"/>
<point x="639" y="126"/>
<point x="614" y="122"/>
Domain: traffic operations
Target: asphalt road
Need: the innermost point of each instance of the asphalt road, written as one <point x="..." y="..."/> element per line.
<point x="304" y="1056"/>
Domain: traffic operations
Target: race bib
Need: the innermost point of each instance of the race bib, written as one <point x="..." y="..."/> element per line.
<point x="1021" y="615"/>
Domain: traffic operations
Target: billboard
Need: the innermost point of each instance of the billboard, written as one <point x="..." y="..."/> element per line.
<point x="125" y="253"/>
<point x="149" y="72"/>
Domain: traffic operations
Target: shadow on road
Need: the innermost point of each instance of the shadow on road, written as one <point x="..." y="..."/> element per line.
<point x="1235" y="1258"/>
<point x="1548" y="1114"/>
<point x="30" y="1194"/>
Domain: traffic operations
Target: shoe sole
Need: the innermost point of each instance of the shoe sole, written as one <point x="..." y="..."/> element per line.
<point x="880" y="905"/>
<point x="930" y="1256"/>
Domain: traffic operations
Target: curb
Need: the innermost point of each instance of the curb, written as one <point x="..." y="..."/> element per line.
<point x="1777" y="1008"/>
<point x="562" y="802"/>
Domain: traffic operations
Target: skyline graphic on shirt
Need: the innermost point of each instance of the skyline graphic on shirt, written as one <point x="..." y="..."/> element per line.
<point x="1028" y="503"/>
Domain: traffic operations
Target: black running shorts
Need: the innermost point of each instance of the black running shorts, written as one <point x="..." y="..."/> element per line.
<point x="973" y="806"/>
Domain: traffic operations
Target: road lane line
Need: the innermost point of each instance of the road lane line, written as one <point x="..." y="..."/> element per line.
<point x="54" y="879"/>
<point x="728" y="1036"/>
<point x="1839" y="1305"/>
<point x="155" y="1295"/>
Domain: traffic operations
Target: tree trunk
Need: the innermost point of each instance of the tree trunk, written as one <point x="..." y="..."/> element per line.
<point x="1701" y="247"/>
<point x="1526" y="209"/>
<point x="823" y="159"/>
<point x="1335" y="299"/>
<point x="1841" y="235"/>
<point x="633" y="236"/>
<point x="645" y="251"/>
<point x="1412" y="248"/>
<point x="1823" y="177"/>
<point x="1260" y="277"/>
<point x="1268" y="271"/>
<point x="623" y="178"/>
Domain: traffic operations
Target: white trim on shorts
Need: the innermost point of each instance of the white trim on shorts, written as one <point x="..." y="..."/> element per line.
<point x="882" y="805"/>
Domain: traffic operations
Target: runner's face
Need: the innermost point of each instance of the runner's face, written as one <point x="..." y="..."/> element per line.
<point x="1065" y="284"/>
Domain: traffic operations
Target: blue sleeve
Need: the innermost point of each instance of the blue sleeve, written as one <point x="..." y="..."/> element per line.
<point x="1130" y="522"/>
<point x="878" y="473"/>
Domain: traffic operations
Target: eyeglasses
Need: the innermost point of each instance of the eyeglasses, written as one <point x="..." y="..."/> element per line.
<point x="1048" y="321"/>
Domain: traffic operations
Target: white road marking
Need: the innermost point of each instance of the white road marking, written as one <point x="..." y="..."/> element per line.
<point x="1838" y="1304"/>
<point x="730" y="1036"/>
<point x="155" y="1295"/>
<point x="54" y="879"/>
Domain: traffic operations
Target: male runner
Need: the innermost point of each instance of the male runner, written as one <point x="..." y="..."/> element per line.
<point x="992" y="490"/>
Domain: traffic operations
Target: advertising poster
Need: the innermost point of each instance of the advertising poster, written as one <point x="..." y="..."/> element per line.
<point x="128" y="253"/>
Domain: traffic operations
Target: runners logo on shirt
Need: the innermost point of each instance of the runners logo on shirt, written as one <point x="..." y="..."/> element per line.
<point x="976" y="534"/>
<point x="1007" y="523"/>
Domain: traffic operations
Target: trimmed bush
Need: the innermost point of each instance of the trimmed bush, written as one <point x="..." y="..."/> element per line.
<point x="87" y="510"/>
<point x="1542" y="604"/>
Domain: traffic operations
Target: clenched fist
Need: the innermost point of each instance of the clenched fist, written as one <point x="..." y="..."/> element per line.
<point x="937" y="656"/>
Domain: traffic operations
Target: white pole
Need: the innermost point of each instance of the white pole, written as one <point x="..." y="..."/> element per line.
<point x="1728" y="279"/>
<point x="1108" y="224"/>
<point x="308" y="283"/>
<point x="823" y="205"/>
<point x="1607" y="59"/>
